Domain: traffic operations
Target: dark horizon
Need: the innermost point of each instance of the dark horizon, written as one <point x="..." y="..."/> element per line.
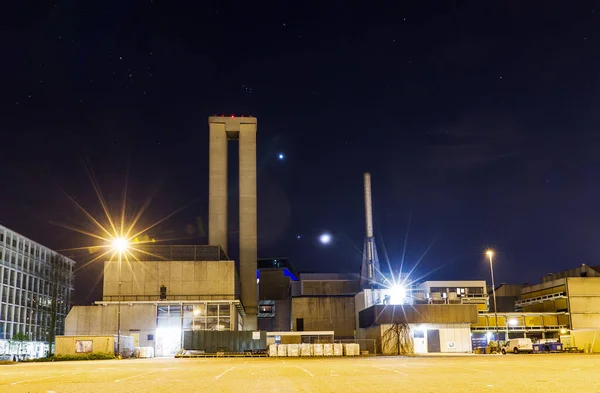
<point x="477" y="121"/>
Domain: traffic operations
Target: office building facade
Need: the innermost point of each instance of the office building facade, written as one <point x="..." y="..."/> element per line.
<point x="28" y="275"/>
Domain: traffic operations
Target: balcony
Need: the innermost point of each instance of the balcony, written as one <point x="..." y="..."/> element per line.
<point x="540" y="299"/>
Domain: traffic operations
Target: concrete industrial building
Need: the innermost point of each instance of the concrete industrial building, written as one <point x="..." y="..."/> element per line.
<point x="275" y="277"/>
<point x="165" y="291"/>
<point x="438" y="315"/>
<point x="325" y="301"/>
<point x="27" y="278"/>
<point x="168" y="290"/>
<point x="563" y="306"/>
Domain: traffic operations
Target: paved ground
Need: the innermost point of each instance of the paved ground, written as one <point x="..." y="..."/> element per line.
<point x="484" y="373"/>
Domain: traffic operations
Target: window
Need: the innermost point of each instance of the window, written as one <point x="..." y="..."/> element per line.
<point x="224" y="310"/>
<point x="163" y="311"/>
<point x="175" y="311"/>
<point x="266" y="309"/>
<point x="418" y="333"/>
<point x="299" y="324"/>
<point x="475" y="290"/>
<point x="151" y="337"/>
<point x="213" y="310"/>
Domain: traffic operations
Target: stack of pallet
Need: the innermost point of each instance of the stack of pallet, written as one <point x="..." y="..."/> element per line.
<point x="293" y="350"/>
<point x="351" y="349"/>
<point x="338" y="349"/>
<point x="306" y="350"/>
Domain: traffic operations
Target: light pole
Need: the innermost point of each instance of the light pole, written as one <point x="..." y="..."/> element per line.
<point x="119" y="245"/>
<point x="490" y="255"/>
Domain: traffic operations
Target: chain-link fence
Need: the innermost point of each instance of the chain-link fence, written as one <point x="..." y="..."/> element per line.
<point x="317" y="339"/>
<point x="366" y="344"/>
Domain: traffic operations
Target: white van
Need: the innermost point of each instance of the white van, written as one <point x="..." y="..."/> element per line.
<point x="517" y="345"/>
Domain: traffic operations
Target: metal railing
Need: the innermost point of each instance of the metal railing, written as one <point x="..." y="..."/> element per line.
<point x="540" y="299"/>
<point x="169" y="298"/>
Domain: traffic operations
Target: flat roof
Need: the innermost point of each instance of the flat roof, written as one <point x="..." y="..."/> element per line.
<point x="302" y="333"/>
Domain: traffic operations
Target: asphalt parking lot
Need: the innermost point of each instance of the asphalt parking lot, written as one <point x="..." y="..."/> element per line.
<point x="482" y="373"/>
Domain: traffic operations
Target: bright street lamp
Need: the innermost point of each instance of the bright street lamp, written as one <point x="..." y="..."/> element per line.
<point x="397" y="294"/>
<point x="490" y="254"/>
<point x="119" y="246"/>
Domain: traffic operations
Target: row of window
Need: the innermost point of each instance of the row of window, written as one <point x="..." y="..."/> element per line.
<point x="460" y="291"/>
<point x="35" y="333"/>
<point x="31" y="265"/>
<point x="10" y="313"/>
<point x="14" y="278"/>
<point x="13" y="241"/>
<point x="32" y="300"/>
<point x="194" y="317"/>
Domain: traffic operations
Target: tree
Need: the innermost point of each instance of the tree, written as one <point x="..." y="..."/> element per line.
<point x="397" y="340"/>
<point x="59" y="277"/>
<point x="19" y="338"/>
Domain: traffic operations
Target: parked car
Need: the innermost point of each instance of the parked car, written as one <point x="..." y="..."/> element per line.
<point x="517" y="345"/>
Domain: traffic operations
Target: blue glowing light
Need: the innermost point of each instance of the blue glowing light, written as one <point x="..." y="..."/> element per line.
<point x="325" y="238"/>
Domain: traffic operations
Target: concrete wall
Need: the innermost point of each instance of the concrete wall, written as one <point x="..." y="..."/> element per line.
<point x="458" y="334"/>
<point x="325" y="313"/>
<point x="588" y="340"/>
<point x="102" y="320"/>
<point x="66" y="345"/>
<point x="322" y="288"/>
<point x="185" y="280"/>
<point x="584" y="302"/>
<point x="281" y="322"/>
<point x="418" y="313"/>
<point x="273" y="285"/>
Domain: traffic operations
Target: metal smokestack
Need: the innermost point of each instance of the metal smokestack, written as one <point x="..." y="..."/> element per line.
<point x="369" y="271"/>
<point x="368" y="205"/>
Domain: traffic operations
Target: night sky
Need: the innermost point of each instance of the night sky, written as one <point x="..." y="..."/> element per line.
<point x="479" y="122"/>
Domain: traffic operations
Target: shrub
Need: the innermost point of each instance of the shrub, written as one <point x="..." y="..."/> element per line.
<point x="87" y="356"/>
<point x="65" y="358"/>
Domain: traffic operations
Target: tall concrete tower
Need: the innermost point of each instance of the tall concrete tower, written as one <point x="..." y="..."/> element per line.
<point x="222" y="130"/>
